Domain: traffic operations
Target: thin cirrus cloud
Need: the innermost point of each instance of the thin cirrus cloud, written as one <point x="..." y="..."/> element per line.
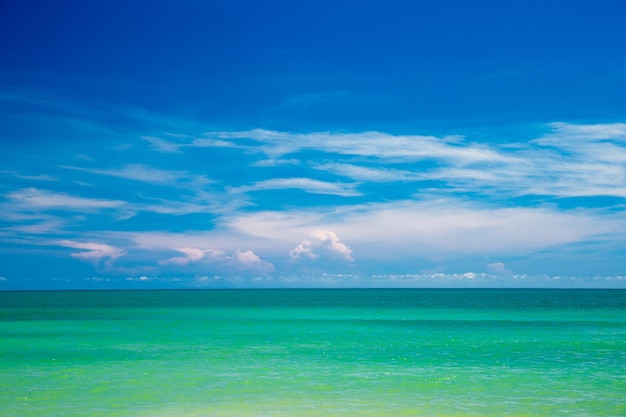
<point x="368" y="174"/>
<point x="148" y="174"/>
<point x="37" y="211"/>
<point x="168" y="146"/>
<point x="570" y="160"/>
<point x="37" y="198"/>
<point x="305" y="184"/>
<point x="41" y="177"/>
<point x="565" y="134"/>
<point x="372" y="144"/>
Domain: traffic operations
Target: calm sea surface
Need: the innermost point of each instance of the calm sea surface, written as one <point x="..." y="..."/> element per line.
<point x="298" y="353"/>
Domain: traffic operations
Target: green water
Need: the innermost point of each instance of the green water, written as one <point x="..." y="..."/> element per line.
<point x="313" y="353"/>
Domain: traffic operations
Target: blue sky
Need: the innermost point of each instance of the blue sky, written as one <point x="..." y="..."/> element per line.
<point x="199" y="144"/>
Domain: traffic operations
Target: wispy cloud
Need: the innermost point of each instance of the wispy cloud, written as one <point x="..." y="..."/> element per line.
<point x="571" y="160"/>
<point x="566" y="134"/>
<point x="34" y="197"/>
<point x="275" y="162"/>
<point x="167" y="146"/>
<point x="368" y="174"/>
<point x="305" y="184"/>
<point x="38" y="225"/>
<point x="163" y="145"/>
<point x="371" y="144"/>
<point x="25" y="203"/>
<point x="148" y="174"/>
<point x="40" y="177"/>
<point x="213" y="143"/>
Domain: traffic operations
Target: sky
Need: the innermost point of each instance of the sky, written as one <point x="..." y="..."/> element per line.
<point x="231" y="144"/>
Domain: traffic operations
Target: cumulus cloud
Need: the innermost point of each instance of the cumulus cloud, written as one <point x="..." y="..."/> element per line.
<point x="238" y="260"/>
<point x="251" y="261"/>
<point x="94" y="251"/>
<point x="319" y="242"/>
<point x="498" y="268"/>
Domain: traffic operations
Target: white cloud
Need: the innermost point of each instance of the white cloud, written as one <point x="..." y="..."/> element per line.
<point x="34" y="197"/>
<point x="40" y="177"/>
<point x="305" y="184"/>
<point x="248" y="260"/>
<point x="275" y="162"/>
<point x="148" y="174"/>
<point x="94" y="251"/>
<point x="213" y="143"/>
<point x="37" y="225"/>
<point x="194" y="255"/>
<point x="143" y="173"/>
<point x="326" y="241"/>
<point x="191" y="255"/>
<point x="498" y="268"/>
<point x="237" y="261"/>
<point x="571" y="160"/>
<point x="33" y="200"/>
<point x="433" y="229"/>
<point x="142" y="278"/>
<point x="564" y="133"/>
<point x="361" y="173"/>
<point x="162" y="145"/>
<point x="490" y="280"/>
<point x="449" y="227"/>
<point x="371" y="144"/>
<point x="165" y="146"/>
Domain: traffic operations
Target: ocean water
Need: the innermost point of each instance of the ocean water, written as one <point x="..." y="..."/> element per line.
<point x="238" y="353"/>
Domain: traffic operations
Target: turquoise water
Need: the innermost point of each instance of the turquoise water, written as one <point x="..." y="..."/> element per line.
<point x="313" y="353"/>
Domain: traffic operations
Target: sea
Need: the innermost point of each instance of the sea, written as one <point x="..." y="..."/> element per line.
<point x="313" y="352"/>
